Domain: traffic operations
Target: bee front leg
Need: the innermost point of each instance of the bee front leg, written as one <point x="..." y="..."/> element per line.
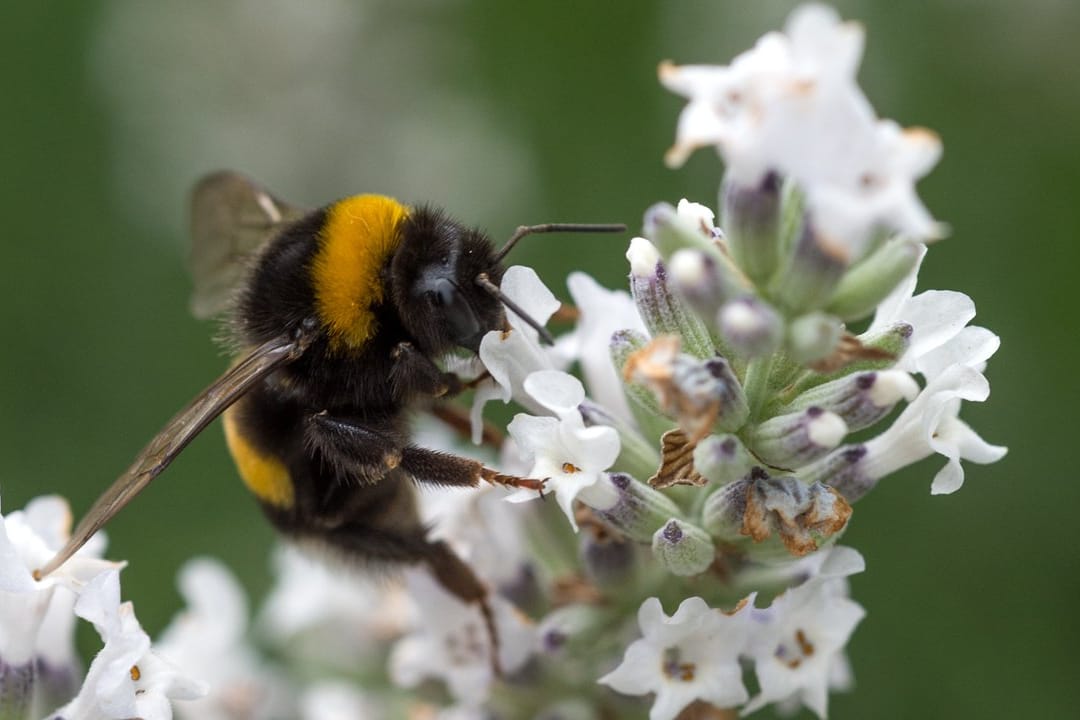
<point x="439" y="468"/>
<point x="414" y="373"/>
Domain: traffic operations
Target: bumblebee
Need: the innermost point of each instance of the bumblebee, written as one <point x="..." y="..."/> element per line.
<point x="338" y="316"/>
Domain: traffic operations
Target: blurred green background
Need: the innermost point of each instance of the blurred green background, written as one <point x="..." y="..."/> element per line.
<point x="511" y="112"/>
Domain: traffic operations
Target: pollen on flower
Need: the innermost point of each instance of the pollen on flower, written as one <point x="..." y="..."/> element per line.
<point x="805" y="651"/>
<point x="570" y="468"/>
<point x="135" y="673"/>
<point x="676" y="670"/>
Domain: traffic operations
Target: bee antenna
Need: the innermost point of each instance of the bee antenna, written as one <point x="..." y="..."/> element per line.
<point x="524" y="230"/>
<point x="485" y="282"/>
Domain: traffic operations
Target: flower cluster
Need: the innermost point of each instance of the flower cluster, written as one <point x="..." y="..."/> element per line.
<point x="760" y="377"/>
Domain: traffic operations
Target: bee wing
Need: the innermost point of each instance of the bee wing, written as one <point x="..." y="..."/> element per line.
<point x="177" y="433"/>
<point x="232" y="217"/>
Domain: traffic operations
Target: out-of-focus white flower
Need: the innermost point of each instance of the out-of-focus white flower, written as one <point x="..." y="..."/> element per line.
<point x="510" y="356"/>
<point x="339" y="615"/>
<point x="469" y="519"/>
<point x="210" y="638"/>
<point x="126" y="679"/>
<point x="603" y="312"/>
<point x="335" y="700"/>
<point x="799" y="640"/>
<point x="691" y="655"/>
<point x="565" y="452"/>
<point x="451" y="641"/>
<point x="791" y="105"/>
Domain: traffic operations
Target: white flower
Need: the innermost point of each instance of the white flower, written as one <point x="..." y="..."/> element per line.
<point x="126" y="679"/>
<point x="937" y="318"/>
<point x="337" y="614"/>
<point x="565" y="452"/>
<point x="799" y="640"/>
<point x="451" y="641"/>
<point x="791" y="105"/>
<point x="36" y="615"/>
<point x="481" y="529"/>
<point x="603" y="312"/>
<point x="930" y="425"/>
<point x="336" y="700"/>
<point x="210" y="637"/>
<point x="692" y="655"/>
<point x="510" y="356"/>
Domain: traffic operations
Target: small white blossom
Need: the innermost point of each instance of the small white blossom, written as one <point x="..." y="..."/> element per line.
<point x="451" y="641"/>
<point x="799" y="640"/>
<point x="210" y="637"/>
<point x="510" y="356"/>
<point x="930" y="424"/>
<point x="691" y="655"/>
<point x="335" y="700"/>
<point x="565" y="452"/>
<point x="791" y="105"/>
<point x="603" y="313"/>
<point x="337" y="614"/>
<point x="36" y="615"/>
<point x="468" y="519"/>
<point x="126" y="679"/>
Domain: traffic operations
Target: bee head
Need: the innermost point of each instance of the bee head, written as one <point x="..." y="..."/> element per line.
<point x="434" y="286"/>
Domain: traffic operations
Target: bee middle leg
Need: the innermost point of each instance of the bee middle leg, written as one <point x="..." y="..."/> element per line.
<point x="368" y="451"/>
<point x="439" y="468"/>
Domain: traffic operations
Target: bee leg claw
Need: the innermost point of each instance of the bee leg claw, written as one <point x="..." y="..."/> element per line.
<point x="496" y="478"/>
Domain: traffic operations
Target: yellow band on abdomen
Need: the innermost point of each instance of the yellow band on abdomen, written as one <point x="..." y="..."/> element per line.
<point x="265" y="475"/>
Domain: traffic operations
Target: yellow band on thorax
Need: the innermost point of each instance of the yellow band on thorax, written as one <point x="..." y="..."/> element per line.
<point x="359" y="235"/>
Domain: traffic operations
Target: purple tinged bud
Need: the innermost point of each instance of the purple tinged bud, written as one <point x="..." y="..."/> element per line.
<point x="684" y="549"/>
<point x="751" y="327"/>
<point x="810" y="274"/>
<point x="662" y="310"/>
<point x="752" y="226"/>
<point x="722" y="459"/>
<point x="794" y="439"/>
<point x="844" y="470"/>
<point x="640" y="510"/>
<point x="862" y="399"/>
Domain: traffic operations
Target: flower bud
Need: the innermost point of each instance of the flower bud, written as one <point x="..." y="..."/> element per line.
<point x="797" y="438"/>
<point x="697" y="394"/>
<point x="890" y="345"/>
<point x="722" y="459"/>
<point x="672" y="230"/>
<point x="752" y="224"/>
<point x="810" y="275"/>
<point x="764" y="508"/>
<point x="845" y="470"/>
<point x="639" y="509"/>
<point x="860" y="399"/>
<point x="643" y="404"/>
<point x="750" y="327"/>
<point x="813" y="337"/>
<point x="864" y="286"/>
<point x="695" y="276"/>
<point x="610" y="562"/>
<point x="663" y="312"/>
<point x="570" y="629"/>
<point x="682" y="548"/>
